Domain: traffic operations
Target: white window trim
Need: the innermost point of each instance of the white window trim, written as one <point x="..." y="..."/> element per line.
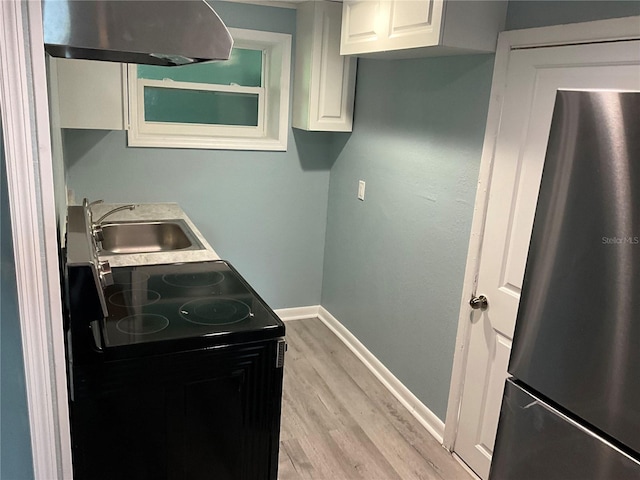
<point x="273" y="114"/>
<point x="190" y="129"/>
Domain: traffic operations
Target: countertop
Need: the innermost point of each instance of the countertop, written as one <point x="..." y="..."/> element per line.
<point x="147" y="212"/>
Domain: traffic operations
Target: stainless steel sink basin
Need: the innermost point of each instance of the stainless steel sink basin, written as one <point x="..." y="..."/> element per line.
<point x="147" y="237"/>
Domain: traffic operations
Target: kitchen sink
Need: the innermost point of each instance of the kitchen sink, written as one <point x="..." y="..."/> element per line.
<point x="147" y="237"/>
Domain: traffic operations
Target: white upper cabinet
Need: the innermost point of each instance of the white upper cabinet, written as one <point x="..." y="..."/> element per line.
<point x="91" y="94"/>
<point x="324" y="81"/>
<point x="420" y="28"/>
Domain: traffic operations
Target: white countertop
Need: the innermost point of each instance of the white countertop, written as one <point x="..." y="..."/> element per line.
<point x="147" y="212"/>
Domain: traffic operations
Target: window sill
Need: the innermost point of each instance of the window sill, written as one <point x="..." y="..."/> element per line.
<point x="207" y="142"/>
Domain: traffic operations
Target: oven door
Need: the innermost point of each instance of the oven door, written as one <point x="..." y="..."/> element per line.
<point x="198" y="415"/>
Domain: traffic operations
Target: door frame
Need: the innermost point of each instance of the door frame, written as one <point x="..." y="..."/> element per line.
<point x="29" y="169"/>
<point x="627" y="28"/>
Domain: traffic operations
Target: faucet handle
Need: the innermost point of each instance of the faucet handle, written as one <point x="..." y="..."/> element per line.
<point x="87" y="208"/>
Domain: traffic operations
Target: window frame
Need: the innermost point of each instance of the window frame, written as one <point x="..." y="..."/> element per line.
<point x="271" y="133"/>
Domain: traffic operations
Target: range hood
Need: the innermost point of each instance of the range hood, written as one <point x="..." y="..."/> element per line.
<point x="161" y="32"/>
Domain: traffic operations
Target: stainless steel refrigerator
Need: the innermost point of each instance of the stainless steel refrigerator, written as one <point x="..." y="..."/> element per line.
<point x="572" y="407"/>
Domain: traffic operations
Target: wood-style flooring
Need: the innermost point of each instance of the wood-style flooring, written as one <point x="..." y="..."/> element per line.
<point x="339" y="422"/>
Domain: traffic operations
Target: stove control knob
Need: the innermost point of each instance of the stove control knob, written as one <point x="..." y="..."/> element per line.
<point x="106" y="277"/>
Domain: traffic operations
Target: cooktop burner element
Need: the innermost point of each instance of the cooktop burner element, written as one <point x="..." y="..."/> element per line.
<point x="134" y="298"/>
<point x="142" y="324"/>
<point x="215" y="311"/>
<point x="182" y="306"/>
<point x="200" y="279"/>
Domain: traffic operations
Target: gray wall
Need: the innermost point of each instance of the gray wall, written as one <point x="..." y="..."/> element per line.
<point x="15" y="440"/>
<point x="263" y="211"/>
<point x="394" y="263"/>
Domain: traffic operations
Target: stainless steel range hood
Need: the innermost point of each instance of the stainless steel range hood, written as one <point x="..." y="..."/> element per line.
<point x="165" y="32"/>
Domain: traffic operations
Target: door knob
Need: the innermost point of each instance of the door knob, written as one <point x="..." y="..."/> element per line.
<point x="479" y="302"/>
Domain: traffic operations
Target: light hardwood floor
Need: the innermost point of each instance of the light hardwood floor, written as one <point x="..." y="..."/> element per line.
<point x="339" y="422"/>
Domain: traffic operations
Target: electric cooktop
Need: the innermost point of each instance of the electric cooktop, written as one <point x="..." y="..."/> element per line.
<point x="194" y="305"/>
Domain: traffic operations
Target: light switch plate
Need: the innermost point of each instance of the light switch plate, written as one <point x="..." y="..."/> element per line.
<point x="361" y="186"/>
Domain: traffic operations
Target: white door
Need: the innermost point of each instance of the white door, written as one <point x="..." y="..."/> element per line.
<point x="533" y="77"/>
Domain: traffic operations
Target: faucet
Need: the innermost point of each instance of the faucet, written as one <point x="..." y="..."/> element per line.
<point x="131" y="206"/>
<point x="101" y="267"/>
<point x="96" y="227"/>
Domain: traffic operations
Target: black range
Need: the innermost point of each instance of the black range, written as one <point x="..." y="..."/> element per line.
<point x="179" y="377"/>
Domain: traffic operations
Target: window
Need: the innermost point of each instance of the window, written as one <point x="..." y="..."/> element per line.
<point x="239" y="104"/>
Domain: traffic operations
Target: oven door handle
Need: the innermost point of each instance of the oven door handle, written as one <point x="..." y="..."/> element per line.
<point x="97" y="338"/>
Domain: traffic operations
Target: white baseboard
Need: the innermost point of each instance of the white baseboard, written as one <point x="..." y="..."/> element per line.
<point x="297" y="313"/>
<point x="426" y="417"/>
<point x="419" y="410"/>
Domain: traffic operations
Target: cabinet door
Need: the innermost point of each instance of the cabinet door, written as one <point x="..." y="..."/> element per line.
<point x="91" y="94"/>
<point x="324" y="82"/>
<point x="378" y="26"/>
<point x="414" y="23"/>
<point x="364" y="28"/>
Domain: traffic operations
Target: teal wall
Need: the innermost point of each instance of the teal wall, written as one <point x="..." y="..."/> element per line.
<point x="15" y="440"/>
<point x="394" y="263"/>
<point x="263" y="211"/>
<point x="537" y="13"/>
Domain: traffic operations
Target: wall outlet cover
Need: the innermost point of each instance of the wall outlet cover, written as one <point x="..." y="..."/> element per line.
<point x="361" y="186"/>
